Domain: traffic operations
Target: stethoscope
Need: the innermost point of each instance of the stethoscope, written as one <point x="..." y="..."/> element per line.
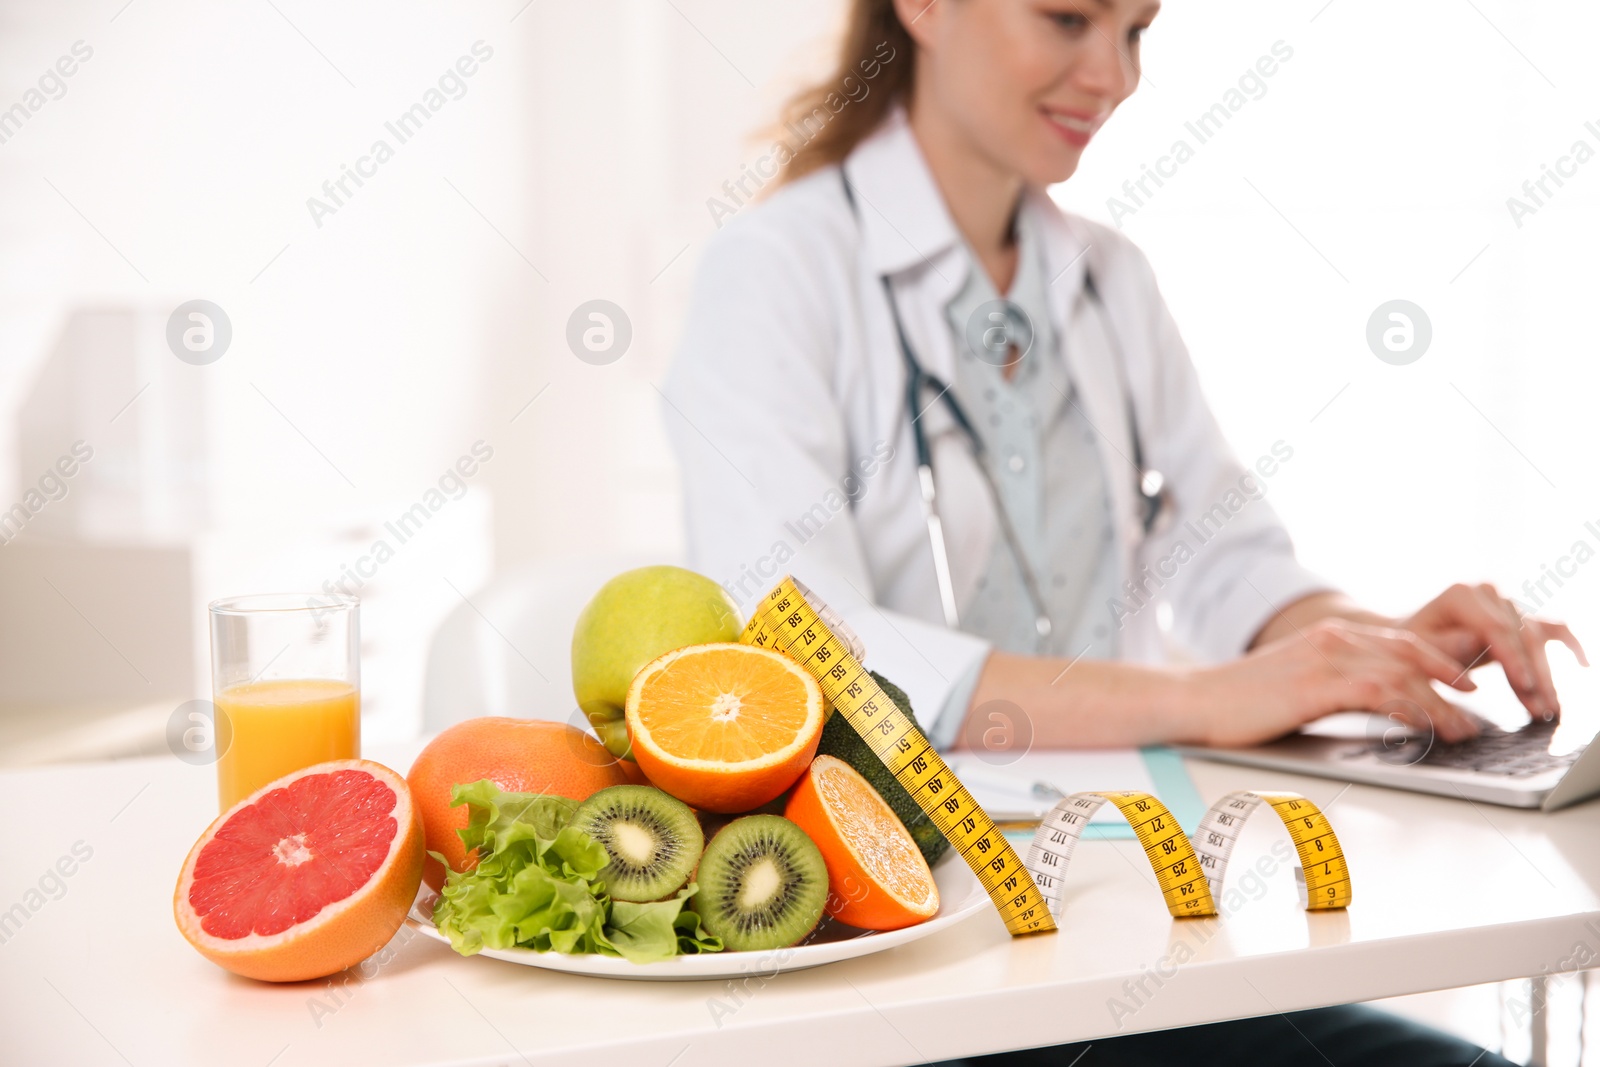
<point x="1156" y="504"/>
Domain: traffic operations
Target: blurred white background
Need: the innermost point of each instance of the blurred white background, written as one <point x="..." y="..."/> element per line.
<point x="374" y="346"/>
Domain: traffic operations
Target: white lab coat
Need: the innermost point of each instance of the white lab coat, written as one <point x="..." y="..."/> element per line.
<point x="787" y="409"/>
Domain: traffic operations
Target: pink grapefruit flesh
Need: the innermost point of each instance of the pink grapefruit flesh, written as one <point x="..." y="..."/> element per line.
<point x="307" y="876"/>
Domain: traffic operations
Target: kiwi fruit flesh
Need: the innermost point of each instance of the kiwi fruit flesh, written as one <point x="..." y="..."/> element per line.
<point x="763" y="884"/>
<point x="653" y="840"/>
<point x="840" y="740"/>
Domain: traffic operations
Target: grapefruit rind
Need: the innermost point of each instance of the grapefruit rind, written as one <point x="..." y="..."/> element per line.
<point x="519" y="756"/>
<point x="342" y="933"/>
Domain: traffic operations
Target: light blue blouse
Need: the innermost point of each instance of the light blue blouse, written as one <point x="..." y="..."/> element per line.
<point x="1044" y="459"/>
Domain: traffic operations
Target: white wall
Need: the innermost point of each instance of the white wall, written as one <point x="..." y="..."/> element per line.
<point x="429" y="311"/>
<point x="1390" y="141"/>
<point x="177" y="165"/>
<point x="640" y="110"/>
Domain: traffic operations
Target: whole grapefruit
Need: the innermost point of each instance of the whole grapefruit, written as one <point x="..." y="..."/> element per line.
<point x="518" y="755"/>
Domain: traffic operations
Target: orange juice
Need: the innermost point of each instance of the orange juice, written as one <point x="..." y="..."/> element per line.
<point x="280" y="726"/>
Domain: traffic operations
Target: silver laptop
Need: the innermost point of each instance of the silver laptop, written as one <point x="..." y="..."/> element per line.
<point x="1539" y="765"/>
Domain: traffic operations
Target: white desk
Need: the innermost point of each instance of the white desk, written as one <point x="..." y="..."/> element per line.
<point x="1446" y="894"/>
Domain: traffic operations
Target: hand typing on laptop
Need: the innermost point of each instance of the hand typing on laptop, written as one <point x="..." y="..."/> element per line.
<point x="1330" y="666"/>
<point x="1328" y="655"/>
<point x="1474" y="625"/>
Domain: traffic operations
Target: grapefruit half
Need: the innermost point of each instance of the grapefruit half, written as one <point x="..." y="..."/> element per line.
<point x="306" y="876"/>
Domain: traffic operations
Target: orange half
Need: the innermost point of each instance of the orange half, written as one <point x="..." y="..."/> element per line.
<point x="724" y="727"/>
<point x="877" y="878"/>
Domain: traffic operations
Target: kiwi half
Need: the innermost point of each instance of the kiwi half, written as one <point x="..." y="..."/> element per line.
<point x="763" y="884"/>
<point x="653" y="840"/>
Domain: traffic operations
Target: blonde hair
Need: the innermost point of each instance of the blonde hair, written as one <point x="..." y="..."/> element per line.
<point x="826" y="118"/>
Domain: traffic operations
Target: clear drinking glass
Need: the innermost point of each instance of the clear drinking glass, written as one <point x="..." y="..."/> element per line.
<point x="286" y="682"/>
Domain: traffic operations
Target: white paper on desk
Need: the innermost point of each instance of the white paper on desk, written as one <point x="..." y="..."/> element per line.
<point x="1006" y="792"/>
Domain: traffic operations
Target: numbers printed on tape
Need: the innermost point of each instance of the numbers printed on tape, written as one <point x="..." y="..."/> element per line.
<point x="1191" y="873"/>
<point x="1029" y="894"/>
<point x="1322" y="877"/>
<point x="1183" y="883"/>
<point x="787" y="622"/>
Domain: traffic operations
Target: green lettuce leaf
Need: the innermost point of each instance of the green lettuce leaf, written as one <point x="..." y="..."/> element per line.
<point x="537" y="885"/>
<point x="659" y="930"/>
<point x="493" y="812"/>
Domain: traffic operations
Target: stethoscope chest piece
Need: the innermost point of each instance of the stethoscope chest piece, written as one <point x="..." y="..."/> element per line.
<point x="1156" y="503"/>
<point x="999" y="332"/>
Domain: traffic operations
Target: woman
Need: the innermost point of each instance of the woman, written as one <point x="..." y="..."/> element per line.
<point x="911" y="198"/>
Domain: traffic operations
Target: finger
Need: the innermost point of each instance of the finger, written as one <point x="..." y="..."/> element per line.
<point x="1557" y="631"/>
<point x="1533" y="646"/>
<point x="1491" y="619"/>
<point x="1410" y="699"/>
<point x="1402" y="665"/>
<point x="1387" y="680"/>
<point x="1445" y="609"/>
<point x="1408" y="713"/>
<point x="1417" y="655"/>
<point x="1450" y="723"/>
<point x="1459" y="643"/>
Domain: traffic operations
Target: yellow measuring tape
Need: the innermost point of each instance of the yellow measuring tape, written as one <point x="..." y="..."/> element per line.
<point x="1190" y="874"/>
<point x="787" y="622"/>
<point x="1322" y="877"/>
<point x="1029" y="895"/>
<point x="1183" y="884"/>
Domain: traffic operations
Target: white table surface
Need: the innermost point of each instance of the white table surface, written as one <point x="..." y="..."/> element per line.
<point x="1446" y="894"/>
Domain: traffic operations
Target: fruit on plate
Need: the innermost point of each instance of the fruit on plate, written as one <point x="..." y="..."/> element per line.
<point x="878" y="877"/>
<point x="635" y="617"/>
<point x="763" y="884"/>
<point x="840" y="740"/>
<point x="519" y="756"/>
<point x="724" y="727"/>
<point x="306" y="876"/>
<point x="653" y="840"/>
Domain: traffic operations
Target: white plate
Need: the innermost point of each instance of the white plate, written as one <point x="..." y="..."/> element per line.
<point x="960" y="896"/>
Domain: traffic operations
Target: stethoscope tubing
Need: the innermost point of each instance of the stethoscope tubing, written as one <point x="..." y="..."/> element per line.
<point x="1156" y="499"/>
<point x="917" y="380"/>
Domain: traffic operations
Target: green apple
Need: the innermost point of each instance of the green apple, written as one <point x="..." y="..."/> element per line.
<point x="634" y="618"/>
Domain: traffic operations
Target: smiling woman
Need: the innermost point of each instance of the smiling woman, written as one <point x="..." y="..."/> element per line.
<point x="1009" y="512"/>
<point x="1042" y="476"/>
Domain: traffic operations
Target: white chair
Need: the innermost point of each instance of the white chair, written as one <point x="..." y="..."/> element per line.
<point x="508" y="649"/>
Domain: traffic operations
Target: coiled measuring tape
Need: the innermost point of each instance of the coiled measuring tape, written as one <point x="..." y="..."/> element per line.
<point x="1191" y="873"/>
<point x="1322" y="877"/>
<point x="1184" y="885"/>
<point x="787" y="622"/>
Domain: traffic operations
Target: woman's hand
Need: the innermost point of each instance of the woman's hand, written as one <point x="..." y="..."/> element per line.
<point x="1475" y="624"/>
<point x="1331" y="665"/>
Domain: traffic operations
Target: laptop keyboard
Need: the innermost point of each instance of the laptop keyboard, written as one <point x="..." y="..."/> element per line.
<point x="1509" y="753"/>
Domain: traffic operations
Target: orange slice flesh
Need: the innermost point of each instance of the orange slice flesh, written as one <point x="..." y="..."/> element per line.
<point x="877" y="839"/>
<point x="725" y="727"/>
<point x="877" y="876"/>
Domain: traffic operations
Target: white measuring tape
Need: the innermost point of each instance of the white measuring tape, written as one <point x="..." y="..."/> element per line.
<point x="1191" y="873"/>
<point x="1322" y="877"/>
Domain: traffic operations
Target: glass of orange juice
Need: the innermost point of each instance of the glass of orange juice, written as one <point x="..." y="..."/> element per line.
<point x="286" y="682"/>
